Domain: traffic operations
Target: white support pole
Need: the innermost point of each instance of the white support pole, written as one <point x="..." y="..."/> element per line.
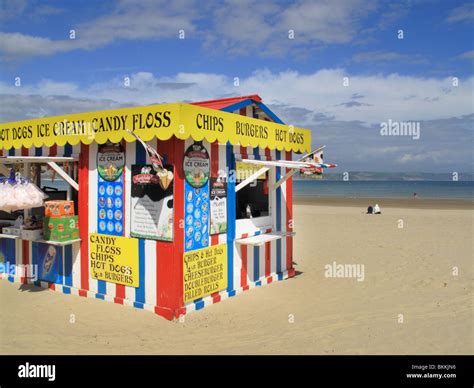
<point x="251" y="178"/>
<point x="287" y="176"/>
<point x="4" y="170"/>
<point x="64" y="175"/>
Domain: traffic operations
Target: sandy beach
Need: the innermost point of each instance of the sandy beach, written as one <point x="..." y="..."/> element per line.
<point x="409" y="302"/>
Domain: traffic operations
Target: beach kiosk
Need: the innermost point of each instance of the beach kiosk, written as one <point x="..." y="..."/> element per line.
<point x="167" y="208"/>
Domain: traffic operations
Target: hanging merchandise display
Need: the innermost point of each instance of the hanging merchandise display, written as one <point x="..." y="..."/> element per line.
<point x="18" y="193"/>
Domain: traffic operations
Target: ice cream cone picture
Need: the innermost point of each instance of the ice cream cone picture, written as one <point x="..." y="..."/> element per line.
<point x="166" y="177"/>
<point x="49" y="259"/>
<point x="198" y="175"/>
<point x="110" y="171"/>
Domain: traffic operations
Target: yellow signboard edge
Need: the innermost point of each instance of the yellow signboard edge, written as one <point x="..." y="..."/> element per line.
<point x="178" y="131"/>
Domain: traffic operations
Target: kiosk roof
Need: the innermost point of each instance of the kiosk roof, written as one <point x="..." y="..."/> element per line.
<point x="199" y="120"/>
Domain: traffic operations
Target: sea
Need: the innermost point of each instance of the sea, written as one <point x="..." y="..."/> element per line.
<point x="365" y="189"/>
<point x="383" y="189"/>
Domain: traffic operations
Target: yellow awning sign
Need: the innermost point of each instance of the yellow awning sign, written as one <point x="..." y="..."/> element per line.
<point x="154" y="121"/>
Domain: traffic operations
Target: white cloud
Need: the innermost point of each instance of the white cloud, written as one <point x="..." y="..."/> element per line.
<point x="369" y="99"/>
<point x="327" y="21"/>
<point x="128" y="20"/>
<point x="469" y="55"/>
<point x="46" y="10"/>
<point x="263" y="27"/>
<point x="433" y="156"/>
<point x="462" y="13"/>
<point x="44" y="87"/>
<point x="393" y="12"/>
<point x="240" y="25"/>
<point x="25" y="106"/>
<point x="388" y="56"/>
<point x="234" y="26"/>
<point x="140" y="20"/>
<point x="384" y="96"/>
<point x="317" y="101"/>
<point x="16" y="45"/>
<point x="12" y="8"/>
<point x="53" y="88"/>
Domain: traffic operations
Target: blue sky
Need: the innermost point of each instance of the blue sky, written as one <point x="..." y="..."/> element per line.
<point x="410" y="79"/>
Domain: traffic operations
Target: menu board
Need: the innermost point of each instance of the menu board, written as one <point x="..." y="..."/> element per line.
<point x="204" y="272"/>
<point x="152" y="204"/>
<point x="110" y="162"/>
<point x="218" y="206"/>
<point x="114" y="259"/>
<point x="196" y="228"/>
<point x="110" y="207"/>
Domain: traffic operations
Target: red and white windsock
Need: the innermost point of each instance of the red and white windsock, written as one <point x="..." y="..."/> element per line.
<point x="315" y="163"/>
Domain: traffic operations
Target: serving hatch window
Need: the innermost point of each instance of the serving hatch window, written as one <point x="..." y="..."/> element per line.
<point x="252" y="200"/>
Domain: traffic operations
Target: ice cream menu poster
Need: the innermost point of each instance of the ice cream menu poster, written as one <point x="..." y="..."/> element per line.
<point x="110" y="164"/>
<point x="196" y="217"/>
<point x="110" y="207"/>
<point x="196" y="167"/>
<point x="152" y="204"/>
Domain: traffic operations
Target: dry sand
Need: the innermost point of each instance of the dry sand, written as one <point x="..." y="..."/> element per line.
<point x="407" y="271"/>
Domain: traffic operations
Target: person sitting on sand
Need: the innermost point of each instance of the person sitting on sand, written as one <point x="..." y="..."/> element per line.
<point x="377" y="209"/>
<point x="370" y="210"/>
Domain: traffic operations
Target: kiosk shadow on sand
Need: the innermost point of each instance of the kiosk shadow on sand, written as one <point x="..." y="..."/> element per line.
<point x="31" y="288"/>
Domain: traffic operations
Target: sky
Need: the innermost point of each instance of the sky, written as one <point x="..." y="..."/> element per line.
<point x="343" y="68"/>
